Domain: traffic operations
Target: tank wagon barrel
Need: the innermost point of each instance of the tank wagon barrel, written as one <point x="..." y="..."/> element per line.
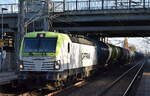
<point x="109" y="54"/>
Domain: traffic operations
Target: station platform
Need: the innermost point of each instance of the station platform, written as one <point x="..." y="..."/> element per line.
<point x="144" y="86"/>
<point x="6" y="77"/>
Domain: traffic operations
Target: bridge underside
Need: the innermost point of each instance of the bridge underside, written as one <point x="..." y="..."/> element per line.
<point x="109" y="23"/>
<point x="115" y="23"/>
<point x="119" y="31"/>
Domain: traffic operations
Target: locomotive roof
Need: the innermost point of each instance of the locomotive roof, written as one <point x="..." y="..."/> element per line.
<point x="47" y="34"/>
<point x="81" y="40"/>
<point x="65" y="36"/>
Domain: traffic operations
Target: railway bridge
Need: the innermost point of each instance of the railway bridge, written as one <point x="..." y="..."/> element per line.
<point x="108" y="18"/>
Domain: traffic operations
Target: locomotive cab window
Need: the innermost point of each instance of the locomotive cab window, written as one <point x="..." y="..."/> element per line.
<point x="68" y="47"/>
<point x="40" y="45"/>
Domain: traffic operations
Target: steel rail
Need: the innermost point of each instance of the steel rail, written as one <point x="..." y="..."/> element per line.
<point x="117" y="80"/>
<point x="126" y="92"/>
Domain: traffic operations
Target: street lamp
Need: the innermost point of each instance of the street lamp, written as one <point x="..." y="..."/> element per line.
<point x="2" y="22"/>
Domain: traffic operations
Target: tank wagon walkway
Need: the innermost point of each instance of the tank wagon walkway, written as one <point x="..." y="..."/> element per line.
<point x="144" y="86"/>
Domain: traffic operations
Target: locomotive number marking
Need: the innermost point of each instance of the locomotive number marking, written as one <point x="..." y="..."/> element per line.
<point x="86" y="55"/>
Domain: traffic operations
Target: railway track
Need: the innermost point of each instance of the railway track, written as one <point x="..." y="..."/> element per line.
<point x="126" y="80"/>
<point x="97" y="85"/>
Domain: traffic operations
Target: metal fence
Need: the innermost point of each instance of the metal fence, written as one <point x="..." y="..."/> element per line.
<point x="60" y="6"/>
<point x="76" y="5"/>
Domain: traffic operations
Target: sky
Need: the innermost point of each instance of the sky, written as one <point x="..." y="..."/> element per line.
<point x="8" y="1"/>
<point x="141" y="44"/>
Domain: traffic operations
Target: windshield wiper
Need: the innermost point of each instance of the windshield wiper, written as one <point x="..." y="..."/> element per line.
<point x="44" y="53"/>
<point x="30" y="53"/>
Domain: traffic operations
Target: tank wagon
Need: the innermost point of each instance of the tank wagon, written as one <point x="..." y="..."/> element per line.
<point x="57" y="57"/>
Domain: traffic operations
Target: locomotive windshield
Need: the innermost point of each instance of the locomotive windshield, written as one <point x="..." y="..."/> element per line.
<point x="40" y="44"/>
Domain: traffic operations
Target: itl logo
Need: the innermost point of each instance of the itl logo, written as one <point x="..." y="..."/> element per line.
<point x="85" y="55"/>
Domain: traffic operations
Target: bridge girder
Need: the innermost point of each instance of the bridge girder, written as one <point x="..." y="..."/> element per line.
<point x="128" y="23"/>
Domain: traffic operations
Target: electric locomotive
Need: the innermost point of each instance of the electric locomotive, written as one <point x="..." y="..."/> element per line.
<point x="54" y="56"/>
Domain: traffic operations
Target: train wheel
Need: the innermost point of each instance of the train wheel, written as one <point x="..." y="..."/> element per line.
<point x="59" y="84"/>
<point x="87" y="73"/>
<point x="80" y="76"/>
<point x="50" y="86"/>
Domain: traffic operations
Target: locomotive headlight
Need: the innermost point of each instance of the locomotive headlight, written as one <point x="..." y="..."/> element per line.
<point x="57" y="65"/>
<point x="21" y="66"/>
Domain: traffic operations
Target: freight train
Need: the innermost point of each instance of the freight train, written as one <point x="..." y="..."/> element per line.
<point x="57" y="57"/>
